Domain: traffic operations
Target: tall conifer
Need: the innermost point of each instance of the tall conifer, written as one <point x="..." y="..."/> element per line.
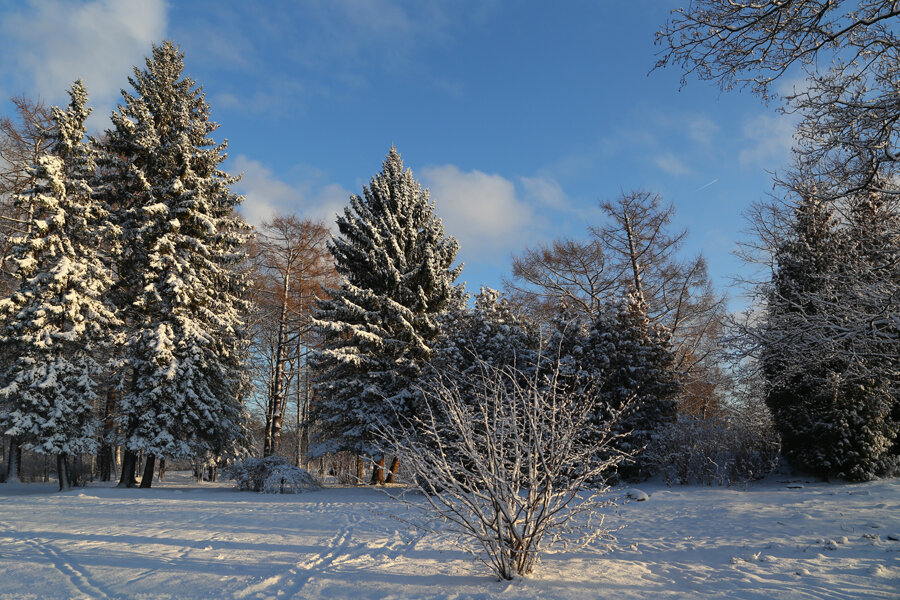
<point x="181" y="290"/>
<point x="57" y="322"/>
<point x="636" y="363"/>
<point x="381" y="325"/>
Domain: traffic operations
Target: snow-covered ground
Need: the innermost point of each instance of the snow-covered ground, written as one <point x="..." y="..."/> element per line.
<point x="187" y="540"/>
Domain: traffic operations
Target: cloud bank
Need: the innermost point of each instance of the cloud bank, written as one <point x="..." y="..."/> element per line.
<point x="265" y="195"/>
<point x="57" y="42"/>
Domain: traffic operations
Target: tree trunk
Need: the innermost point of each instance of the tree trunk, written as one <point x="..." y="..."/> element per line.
<point x="300" y="402"/>
<point x="277" y="399"/>
<point x="107" y="452"/>
<point x="62" y="472"/>
<point x="162" y="468"/>
<point x="14" y="461"/>
<point x="129" y="464"/>
<point x="378" y="472"/>
<point x="149" y="468"/>
<point x="395" y="468"/>
<point x="106" y="459"/>
<point x="636" y="269"/>
<point x="359" y="469"/>
<point x="76" y="472"/>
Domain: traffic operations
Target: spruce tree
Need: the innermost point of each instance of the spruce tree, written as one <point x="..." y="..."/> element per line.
<point x="181" y="289"/>
<point x="58" y="322"/>
<point x="800" y="360"/>
<point x="380" y="327"/>
<point x="866" y="290"/>
<point x="490" y="332"/>
<point x="636" y="365"/>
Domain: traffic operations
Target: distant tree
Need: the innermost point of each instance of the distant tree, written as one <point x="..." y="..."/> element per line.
<point x="293" y="264"/>
<point x="490" y="332"/>
<point x="23" y="141"/>
<point x="569" y="272"/>
<point x="635" y="359"/>
<point x="181" y="287"/>
<point x="634" y="249"/>
<point x="57" y="321"/>
<point x="379" y="328"/>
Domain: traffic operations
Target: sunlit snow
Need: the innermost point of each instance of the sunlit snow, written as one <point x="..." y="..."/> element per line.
<point x="779" y="539"/>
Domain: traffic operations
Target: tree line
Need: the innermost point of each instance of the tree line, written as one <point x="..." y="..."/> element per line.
<point x="141" y="312"/>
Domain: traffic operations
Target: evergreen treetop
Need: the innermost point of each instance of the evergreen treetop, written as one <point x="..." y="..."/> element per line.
<point x="181" y="288"/>
<point x="57" y="322"/>
<point x="380" y="326"/>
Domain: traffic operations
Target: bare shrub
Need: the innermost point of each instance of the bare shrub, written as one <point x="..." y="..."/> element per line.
<point x="713" y="451"/>
<point x="505" y="463"/>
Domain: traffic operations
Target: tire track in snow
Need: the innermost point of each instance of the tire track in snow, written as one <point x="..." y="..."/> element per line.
<point x="78" y="578"/>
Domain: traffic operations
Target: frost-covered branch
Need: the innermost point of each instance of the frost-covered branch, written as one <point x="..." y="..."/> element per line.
<point x="507" y="464"/>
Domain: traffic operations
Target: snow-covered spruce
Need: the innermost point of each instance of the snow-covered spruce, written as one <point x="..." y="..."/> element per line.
<point x="828" y="341"/>
<point x="490" y="332"/>
<point x="636" y="364"/>
<point x="57" y="323"/>
<point x="181" y="288"/>
<point x="271" y="475"/>
<point x="380" y="326"/>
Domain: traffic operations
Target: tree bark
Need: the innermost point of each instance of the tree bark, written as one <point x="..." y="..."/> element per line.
<point x="359" y="469"/>
<point x="62" y="472"/>
<point x="106" y="462"/>
<point x="129" y="464"/>
<point x="278" y="397"/>
<point x="149" y="468"/>
<point x="162" y="468"/>
<point x="107" y="452"/>
<point x="392" y="473"/>
<point x="378" y="472"/>
<point x="76" y="471"/>
<point x="14" y="461"/>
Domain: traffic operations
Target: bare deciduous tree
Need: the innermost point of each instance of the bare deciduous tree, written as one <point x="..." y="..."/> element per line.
<point x="634" y="249"/>
<point x="293" y="265"/>
<point x="848" y="53"/>
<point x="569" y="271"/>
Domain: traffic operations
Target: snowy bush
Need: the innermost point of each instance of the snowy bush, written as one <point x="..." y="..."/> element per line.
<point x="713" y="451"/>
<point x="503" y="462"/>
<point x="272" y="475"/>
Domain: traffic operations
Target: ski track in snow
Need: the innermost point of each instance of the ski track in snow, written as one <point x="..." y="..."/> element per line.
<point x="67" y="568"/>
<point x="185" y="540"/>
<point x="290" y="583"/>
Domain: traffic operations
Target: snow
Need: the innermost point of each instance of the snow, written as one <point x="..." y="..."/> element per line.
<point x="187" y="540"/>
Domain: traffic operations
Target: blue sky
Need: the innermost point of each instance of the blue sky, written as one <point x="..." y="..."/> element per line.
<point x="519" y="116"/>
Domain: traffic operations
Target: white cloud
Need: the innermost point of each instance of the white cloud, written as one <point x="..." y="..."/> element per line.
<point x="769" y="140"/>
<point x="482" y="211"/>
<point x="546" y="191"/>
<point x="701" y="129"/>
<point x="672" y="165"/>
<point x="49" y="44"/>
<point x="266" y="195"/>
